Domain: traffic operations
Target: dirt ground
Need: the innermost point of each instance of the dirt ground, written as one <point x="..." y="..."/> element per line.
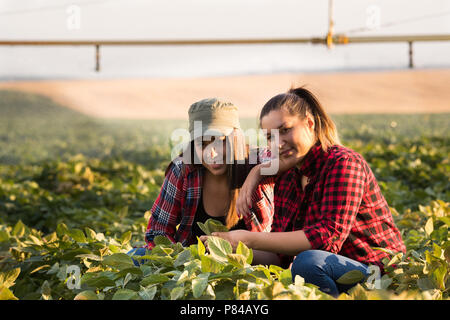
<point x="406" y="91"/>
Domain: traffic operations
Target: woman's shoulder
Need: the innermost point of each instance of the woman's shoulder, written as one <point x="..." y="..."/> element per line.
<point x="179" y="168"/>
<point x="341" y="153"/>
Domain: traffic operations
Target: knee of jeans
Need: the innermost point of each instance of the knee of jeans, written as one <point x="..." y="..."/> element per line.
<point x="304" y="263"/>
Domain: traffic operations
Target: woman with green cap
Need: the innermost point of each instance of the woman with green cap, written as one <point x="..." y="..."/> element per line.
<point x="204" y="180"/>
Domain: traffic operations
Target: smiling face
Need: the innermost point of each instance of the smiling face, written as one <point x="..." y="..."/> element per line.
<point x="295" y="135"/>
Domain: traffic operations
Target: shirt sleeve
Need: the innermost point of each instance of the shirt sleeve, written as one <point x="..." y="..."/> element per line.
<point x="166" y="209"/>
<point x="339" y="205"/>
<point x="263" y="205"/>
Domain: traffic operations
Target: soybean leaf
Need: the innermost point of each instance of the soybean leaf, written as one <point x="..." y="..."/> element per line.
<point x="86" y="295"/>
<point x="286" y="277"/>
<point x="219" y="248"/>
<point x="236" y="259"/>
<point x="125" y="294"/>
<point x="210" y="265"/>
<point x="182" y="258"/>
<point x="429" y="226"/>
<point x="200" y="247"/>
<point x="118" y="260"/>
<point x="154" y="279"/>
<point x="199" y="284"/>
<point x="212" y="225"/>
<point x="148" y="293"/>
<point x="351" y="277"/>
<point x="162" y="241"/>
<point x="245" y="251"/>
<point x="204" y="228"/>
<point x="8" y="278"/>
<point x="77" y="235"/>
<point x="215" y="226"/>
<point x="176" y="293"/>
<point x="6" y="294"/>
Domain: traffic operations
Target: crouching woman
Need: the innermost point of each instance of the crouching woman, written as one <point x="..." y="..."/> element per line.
<point x="330" y="215"/>
<point x="204" y="181"/>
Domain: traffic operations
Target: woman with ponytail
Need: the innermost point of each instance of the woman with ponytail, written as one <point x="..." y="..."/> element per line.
<point x="330" y="216"/>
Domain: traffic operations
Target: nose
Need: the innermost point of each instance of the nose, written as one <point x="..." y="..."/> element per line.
<point x="213" y="153"/>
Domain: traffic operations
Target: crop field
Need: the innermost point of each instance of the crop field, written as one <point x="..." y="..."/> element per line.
<point x="76" y="193"/>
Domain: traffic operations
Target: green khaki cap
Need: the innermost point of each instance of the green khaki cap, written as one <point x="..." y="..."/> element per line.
<point x="212" y="117"/>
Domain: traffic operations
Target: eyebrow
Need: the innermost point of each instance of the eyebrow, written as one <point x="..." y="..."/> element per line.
<point x="279" y="127"/>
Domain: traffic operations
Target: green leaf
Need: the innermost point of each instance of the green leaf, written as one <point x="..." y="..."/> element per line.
<point x="148" y="293"/>
<point x="8" y="278"/>
<point x="204" y="228"/>
<point x="201" y="247"/>
<point x="219" y="248"/>
<point x="210" y="265"/>
<point x="91" y="234"/>
<point x="245" y="251"/>
<point x="86" y="295"/>
<point x="351" y="277"/>
<point x="99" y="282"/>
<point x="429" y="226"/>
<point x="199" y="284"/>
<point x="286" y="277"/>
<point x="4" y="236"/>
<point x="46" y="291"/>
<point x="154" y="279"/>
<point x="126" y="237"/>
<point x="162" y="241"/>
<point x="19" y="229"/>
<point x="236" y="259"/>
<point x="134" y="270"/>
<point x="125" y="294"/>
<point x="90" y="256"/>
<point x="212" y="225"/>
<point x="446" y="220"/>
<point x="62" y="230"/>
<point x="77" y="235"/>
<point x="215" y="226"/>
<point x="6" y="294"/>
<point x="182" y="258"/>
<point x="176" y="293"/>
<point x="118" y="260"/>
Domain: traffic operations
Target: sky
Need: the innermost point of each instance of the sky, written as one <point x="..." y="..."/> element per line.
<point x="219" y="19"/>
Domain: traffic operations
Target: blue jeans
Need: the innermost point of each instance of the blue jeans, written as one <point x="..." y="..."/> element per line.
<point x="323" y="268"/>
<point x="137" y="252"/>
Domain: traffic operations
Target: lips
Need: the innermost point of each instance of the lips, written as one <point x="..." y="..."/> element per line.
<point x="216" y="166"/>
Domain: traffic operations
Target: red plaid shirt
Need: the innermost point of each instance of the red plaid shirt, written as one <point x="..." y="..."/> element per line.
<point x="341" y="209"/>
<point x="179" y="197"/>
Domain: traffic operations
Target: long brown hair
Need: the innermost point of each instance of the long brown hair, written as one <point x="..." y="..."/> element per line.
<point x="237" y="166"/>
<point x="300" y="101"/>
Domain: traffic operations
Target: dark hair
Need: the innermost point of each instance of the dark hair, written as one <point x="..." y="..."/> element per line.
<point x="300" y="101"/>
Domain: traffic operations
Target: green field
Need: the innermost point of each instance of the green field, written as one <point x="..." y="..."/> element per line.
<point x="76" y="191"/>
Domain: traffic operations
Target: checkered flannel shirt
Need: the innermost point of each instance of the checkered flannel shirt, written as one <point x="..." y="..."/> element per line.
<point x="174" y="210"/>
<point x="341" y="209"/>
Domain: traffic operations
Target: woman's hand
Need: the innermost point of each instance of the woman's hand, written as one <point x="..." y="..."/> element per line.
<point x="244" y="200"/>
<point x="233" y="237"/>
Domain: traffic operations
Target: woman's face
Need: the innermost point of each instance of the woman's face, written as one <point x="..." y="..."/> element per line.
<point x="213" y="150"/>
<point x="295" y="135"/>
